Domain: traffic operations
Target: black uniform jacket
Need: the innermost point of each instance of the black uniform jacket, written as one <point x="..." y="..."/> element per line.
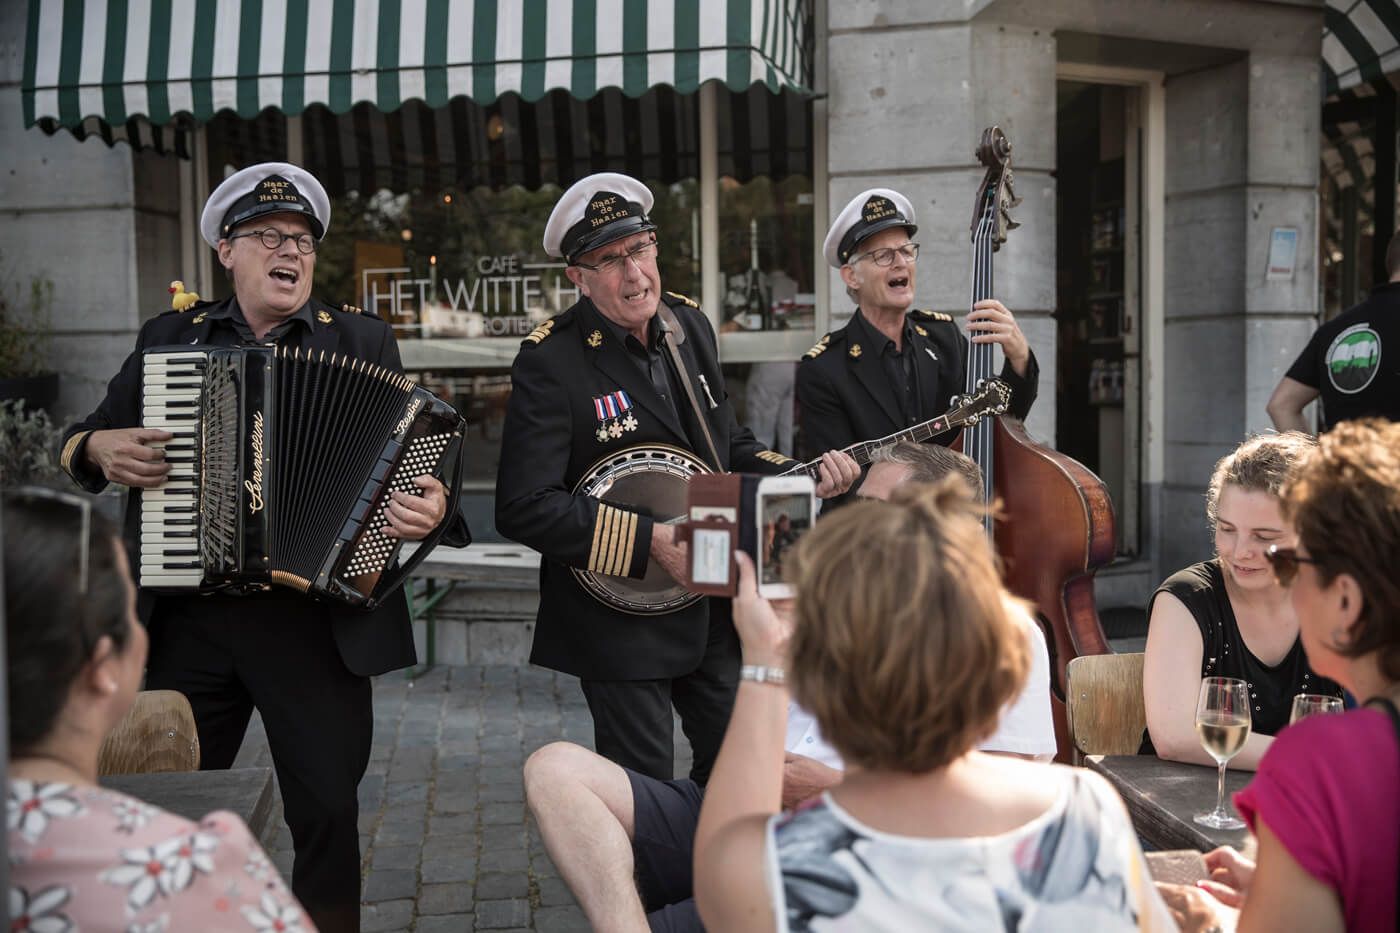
<point x="369" y="643"/>
<point x="844" y="394"/>
<point x="551" y="439"/>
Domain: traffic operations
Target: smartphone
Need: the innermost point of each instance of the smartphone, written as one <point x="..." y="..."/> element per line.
<point x="785" y="509"/>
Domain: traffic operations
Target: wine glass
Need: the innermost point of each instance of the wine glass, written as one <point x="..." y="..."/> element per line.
<point x="1222" y="722"/>
<point x="1313" y="704"/>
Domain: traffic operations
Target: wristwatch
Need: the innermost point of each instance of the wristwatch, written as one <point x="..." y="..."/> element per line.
<point x="762" y="674"/>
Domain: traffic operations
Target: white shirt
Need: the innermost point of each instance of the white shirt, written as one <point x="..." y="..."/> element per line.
<point x="1025" y="728"/>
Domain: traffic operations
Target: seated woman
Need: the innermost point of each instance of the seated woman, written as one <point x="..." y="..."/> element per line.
<point x="83" y="857"/>
<point x="1228" y="617"/>
<point x="1325" y="805"/>
<point x="905" y="653"/>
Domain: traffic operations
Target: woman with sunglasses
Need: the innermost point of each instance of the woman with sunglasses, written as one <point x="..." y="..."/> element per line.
<point x="82" y="857"/>
<point x="1227" y="617"/>
<point x="1325" y="805"/>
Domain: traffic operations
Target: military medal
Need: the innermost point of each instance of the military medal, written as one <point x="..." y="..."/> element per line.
<point x="614" y="412"/>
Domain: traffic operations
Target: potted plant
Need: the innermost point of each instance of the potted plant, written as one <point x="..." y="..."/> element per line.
<point x="24" y="343"/>
<point x="28" y="441"/>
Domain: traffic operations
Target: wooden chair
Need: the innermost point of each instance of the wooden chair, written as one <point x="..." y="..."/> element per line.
<point x="1104" y="705"/>
<point x="156" y="734"/>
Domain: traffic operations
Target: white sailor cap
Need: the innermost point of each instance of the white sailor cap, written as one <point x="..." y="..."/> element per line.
<point x="866" y="215"/>
<point x="266" y="188"/>
<point x="595" y="211"/>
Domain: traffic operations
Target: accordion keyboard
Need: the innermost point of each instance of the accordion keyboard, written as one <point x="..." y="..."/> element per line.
<point x="170" y="512"/>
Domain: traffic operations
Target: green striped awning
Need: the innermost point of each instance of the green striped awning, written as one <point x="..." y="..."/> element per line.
<point x="1360" y="42"/>
<point x="135" y="68"/>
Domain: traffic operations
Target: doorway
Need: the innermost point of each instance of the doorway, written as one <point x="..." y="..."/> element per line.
<point x="1098" y="294"/>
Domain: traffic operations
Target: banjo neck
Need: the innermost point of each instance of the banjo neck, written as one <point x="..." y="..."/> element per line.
<point x="862" y="452"/>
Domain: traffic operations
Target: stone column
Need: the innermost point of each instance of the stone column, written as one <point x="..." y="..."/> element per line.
<point x="912" y="85"/>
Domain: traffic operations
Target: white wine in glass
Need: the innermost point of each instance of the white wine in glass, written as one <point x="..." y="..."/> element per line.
<point x="1222" y="722"/>
<point x="1313" y="704"/>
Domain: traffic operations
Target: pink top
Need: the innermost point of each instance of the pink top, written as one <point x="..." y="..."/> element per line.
<point x="85" y="858"/>
<point x="1329" y="789"/>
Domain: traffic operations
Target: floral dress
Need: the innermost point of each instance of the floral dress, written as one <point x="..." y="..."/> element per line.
<point x="86" y="858"/>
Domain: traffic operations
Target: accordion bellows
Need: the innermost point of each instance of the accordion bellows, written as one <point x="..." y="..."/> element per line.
<point x="281" y="468"/>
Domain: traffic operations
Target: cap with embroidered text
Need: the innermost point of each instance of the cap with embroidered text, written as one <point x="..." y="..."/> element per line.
<point x="266" y="188"/>
<point x="866" y="215"/>
<point x="594" y="212"/>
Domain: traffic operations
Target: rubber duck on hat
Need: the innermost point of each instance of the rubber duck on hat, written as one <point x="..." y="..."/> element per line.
<point x="266" y="188"/>
<point x="594" y="212"/>
<point x="866" y="215"/>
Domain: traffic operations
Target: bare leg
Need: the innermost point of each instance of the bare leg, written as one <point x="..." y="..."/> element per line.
<point x="583" y="805"/>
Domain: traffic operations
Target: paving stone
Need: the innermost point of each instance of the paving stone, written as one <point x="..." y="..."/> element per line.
<point x="399" y="834"/>
<point x="449" y="923"/>
<point x="505" y="860"/>
<point x="445" y="870"/>
<point x="560" y="920"/>
<point x="451" y="898"/>
<point x="499" y="793"/>
<point x="499" y="915"/>
<point x="497" y="885"/>
<point x="455" y="802"/>
<point x="554" y="892"/>
<point x="453" y="825"/>
<point x="406" y="791"/>
<point x="395" y="857"/>
<point x="390" y="885"/>
<point x="503" y="837"/>
<point x="502" y="813"/>
<point x="390" y="915"/>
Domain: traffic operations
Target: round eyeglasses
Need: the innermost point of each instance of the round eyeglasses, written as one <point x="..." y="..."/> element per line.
<point x="638" y="254"/>
<point x="885" y="256"/>
<point x="272" y="239"/>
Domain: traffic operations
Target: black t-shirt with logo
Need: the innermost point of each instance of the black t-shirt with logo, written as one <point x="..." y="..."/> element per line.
<point x="1354" y="360"/>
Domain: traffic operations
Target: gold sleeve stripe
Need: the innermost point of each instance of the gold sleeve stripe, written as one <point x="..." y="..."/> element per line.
<point x="610" y="541"/>
<point x="599" y="521"/>
<point x="772" y="456"/>
<point x="627" y="539"/>
<point x="66" y="460"/>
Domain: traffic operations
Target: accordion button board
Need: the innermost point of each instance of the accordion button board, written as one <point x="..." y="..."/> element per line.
<point x="282" y="468"/>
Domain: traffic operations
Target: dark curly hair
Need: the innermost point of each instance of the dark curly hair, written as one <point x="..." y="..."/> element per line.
<point x="51" y="629"/>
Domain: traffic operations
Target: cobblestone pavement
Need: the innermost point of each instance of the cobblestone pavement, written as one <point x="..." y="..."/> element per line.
<point x="446" y="840"/>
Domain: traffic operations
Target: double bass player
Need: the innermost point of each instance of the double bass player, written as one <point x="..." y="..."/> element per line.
<point x="893" y="365"/>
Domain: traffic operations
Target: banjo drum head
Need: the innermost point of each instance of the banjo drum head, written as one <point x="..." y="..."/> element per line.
<point x="651" y="480"/>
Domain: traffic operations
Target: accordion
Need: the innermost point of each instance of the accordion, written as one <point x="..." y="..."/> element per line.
<point x="282" y="466"/>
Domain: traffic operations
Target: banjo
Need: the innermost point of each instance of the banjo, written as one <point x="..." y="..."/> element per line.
<point x="651" y="479"/>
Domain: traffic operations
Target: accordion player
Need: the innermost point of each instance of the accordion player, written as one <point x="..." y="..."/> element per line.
<point x="282" y="465"/>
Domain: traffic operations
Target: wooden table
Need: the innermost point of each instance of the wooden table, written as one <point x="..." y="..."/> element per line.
<point x="1163" y="796"/>
<point x="192" y="794"/>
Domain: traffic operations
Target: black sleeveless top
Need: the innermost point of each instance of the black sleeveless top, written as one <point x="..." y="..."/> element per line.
<point x="1201" y="589"/>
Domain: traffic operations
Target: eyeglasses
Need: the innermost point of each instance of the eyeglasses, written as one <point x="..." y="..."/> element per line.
<point x="1285" y="561"/>
<point x="885" y="255"/>
<point x="272" y="239"/>
<point x="84" y="507"/>
<point x="638" y="254"/>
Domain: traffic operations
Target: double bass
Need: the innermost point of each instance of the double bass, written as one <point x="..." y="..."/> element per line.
<point x="1054" y="525"/>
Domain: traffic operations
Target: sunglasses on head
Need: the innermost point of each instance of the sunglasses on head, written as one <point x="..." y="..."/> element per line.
<point x="1285" y="561"/>
<point x="72" y="500"/>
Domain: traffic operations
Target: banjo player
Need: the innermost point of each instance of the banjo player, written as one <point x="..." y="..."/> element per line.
<point x="627" y="366"/>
